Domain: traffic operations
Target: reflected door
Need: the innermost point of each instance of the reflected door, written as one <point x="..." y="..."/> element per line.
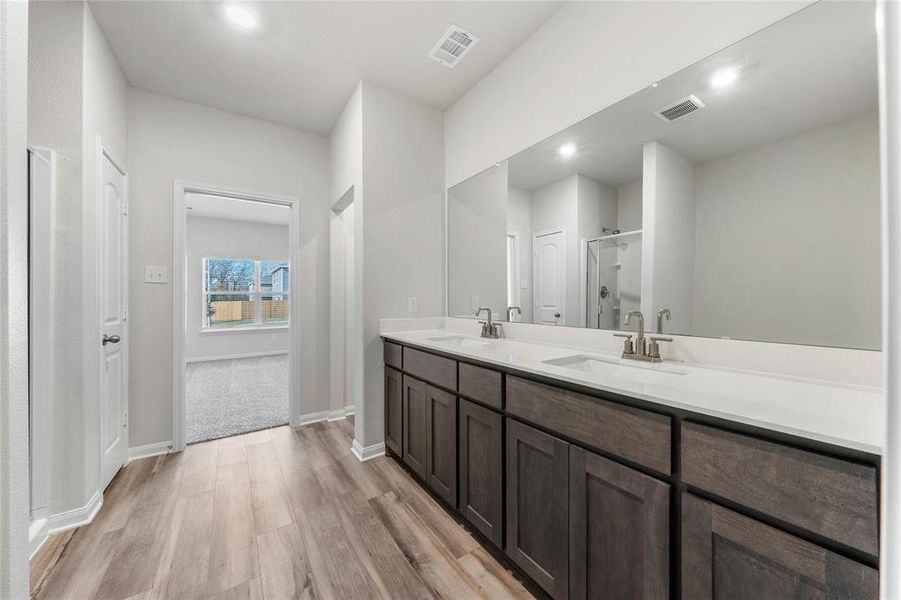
<point x="548" y="261"/>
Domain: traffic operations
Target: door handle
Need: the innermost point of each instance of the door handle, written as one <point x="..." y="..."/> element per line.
<point x="557" y="315"/>
<point x="111" y="339"/>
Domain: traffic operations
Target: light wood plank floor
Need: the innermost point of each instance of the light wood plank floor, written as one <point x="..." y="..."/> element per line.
<point x="279" y="513"/>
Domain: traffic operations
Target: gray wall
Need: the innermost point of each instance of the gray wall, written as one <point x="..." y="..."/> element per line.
<point x="477" y="243"/>
<point x="403" y="229"/>
<point x="788" y="240"/>
<point x="170" y="140"/>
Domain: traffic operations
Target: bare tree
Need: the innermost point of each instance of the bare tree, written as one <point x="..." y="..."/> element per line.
<point x="227" y="275"/>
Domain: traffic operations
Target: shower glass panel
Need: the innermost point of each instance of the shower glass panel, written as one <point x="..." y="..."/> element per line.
<point x="613" y="279"/>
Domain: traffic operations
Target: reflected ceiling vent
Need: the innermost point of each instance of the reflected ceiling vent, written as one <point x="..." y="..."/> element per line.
<point x="680" y="108"/>
<point x="453" y="46"/>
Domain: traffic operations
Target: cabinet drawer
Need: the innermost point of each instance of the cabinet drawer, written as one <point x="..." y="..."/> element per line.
<point x="637" y="435"/>
<point x="727" y="555"/>
<point x="481" y="384"/>
<point x="828" y="496"/>
<point x="433" y="369"/>
<point x="393" y="355"/>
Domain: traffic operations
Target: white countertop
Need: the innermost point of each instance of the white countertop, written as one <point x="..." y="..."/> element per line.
<point x="850" y="416"/>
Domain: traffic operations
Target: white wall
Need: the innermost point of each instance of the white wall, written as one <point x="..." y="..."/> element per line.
<point x="787" y="236"/>
<point x="76" y="93"/>
<point x="584" y="58"/>
<point x="14" y="489"/>
<point x="55" y="66"/>
<point x="668" y="257"/>
<point x="346" y="175"/>
<point x="105" y="118"/>
<point x="477" y="243"/>
<point x="205" y="236"/>
<point x="519" y="219"/>
<point x="403" y="232"/>
<point x="628" y="213"/>
<point x="170" y="140"/>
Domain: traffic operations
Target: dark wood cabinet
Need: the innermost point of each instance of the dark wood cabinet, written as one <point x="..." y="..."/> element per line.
<point x="618" y="530"/>
<point x="578" y="488"/>
<point x="394" y="400"/>
<point x="441" y="443"/>
<point x="538" y="506"/>
<point x="730" y="556"/>
<point x="415" y="413"/>
<point x="481" y="458"/>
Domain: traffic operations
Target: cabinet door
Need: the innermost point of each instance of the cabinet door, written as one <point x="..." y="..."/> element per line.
<point x="394" y="398"/>
<point x="441" y="441"/>
<point x="618" y="530"/>
<point x="538" y="506"/>
<point x="414" y="420"/>
<point x="481" y="458"/>
<point x="727" y="555"/>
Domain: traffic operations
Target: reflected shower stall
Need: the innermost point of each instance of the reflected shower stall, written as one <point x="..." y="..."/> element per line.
<point x="612" y="278"/>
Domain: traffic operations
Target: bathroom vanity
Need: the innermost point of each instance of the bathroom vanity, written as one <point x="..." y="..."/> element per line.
<point x="596" y="493"/>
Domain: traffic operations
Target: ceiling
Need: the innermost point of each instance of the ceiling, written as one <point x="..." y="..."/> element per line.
<point x="299" y="67"/>
<point x="234" y="209"/>
<point x="809" y="70"/>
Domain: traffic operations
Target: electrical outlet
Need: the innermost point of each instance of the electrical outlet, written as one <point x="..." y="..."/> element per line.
<point x="155" y="275"/>
<point x="475" y="303"/>
<point x="524" y="284"/>
<point x="412" y="305"/>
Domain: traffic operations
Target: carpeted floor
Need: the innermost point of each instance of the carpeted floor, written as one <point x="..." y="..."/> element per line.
<point x="227" y="397"/>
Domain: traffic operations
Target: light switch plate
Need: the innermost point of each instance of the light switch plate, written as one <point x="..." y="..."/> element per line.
<point x="524" y="284"/>
<point x="156" y="275"/>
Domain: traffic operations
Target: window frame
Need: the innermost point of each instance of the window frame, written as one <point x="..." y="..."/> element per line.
<point x="255" y="296"/>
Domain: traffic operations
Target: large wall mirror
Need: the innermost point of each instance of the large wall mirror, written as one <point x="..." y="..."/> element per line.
<point x="738" y="198"/>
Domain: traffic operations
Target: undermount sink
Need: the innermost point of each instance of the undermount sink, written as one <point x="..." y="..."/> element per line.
<point x="460" y="341"/>
<point x="601" y="365"/>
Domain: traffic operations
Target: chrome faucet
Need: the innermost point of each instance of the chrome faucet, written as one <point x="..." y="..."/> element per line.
<point x="510" y="309"/>
<point x="640" y="342"/>
<point x="489" y="329"/>
<point x="663" y="312"/>
<point x="641" y="349"/>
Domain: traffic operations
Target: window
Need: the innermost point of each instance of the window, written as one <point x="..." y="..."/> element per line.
<point x="245" y="293"/>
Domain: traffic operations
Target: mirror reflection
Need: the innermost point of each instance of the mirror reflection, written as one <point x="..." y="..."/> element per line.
<point x="738" y="198"/>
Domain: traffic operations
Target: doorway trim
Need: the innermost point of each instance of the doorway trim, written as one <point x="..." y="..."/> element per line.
<point x="179" y="296"/>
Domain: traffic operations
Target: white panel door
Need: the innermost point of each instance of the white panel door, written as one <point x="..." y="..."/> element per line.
<point x="113" y="305"/>
<point x="548" y="265"/>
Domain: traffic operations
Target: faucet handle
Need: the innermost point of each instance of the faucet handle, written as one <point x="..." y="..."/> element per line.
<point x="628" y="348"/>
<point x="654" y="346"/>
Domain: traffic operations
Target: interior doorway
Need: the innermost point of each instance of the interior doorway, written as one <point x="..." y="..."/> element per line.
<point x="235" y="309"/>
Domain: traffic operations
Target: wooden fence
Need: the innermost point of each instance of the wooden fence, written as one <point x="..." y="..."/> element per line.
<point x="242" y="310"/>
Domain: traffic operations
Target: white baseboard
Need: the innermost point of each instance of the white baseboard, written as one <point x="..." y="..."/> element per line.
<point x="75" y="517"/>
<point x="37" y="535"/>
<point x="149" y="450"/>
<point x="199" y="359"/>
<point x="369" y="452"/>
<point x="325" y="415"/>
<point x="310" y="418"/>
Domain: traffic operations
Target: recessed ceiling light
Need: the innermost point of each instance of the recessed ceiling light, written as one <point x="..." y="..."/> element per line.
<point x="242" y="17"/>
<point x="724" y="77"/>
<point x="566" y="150"/>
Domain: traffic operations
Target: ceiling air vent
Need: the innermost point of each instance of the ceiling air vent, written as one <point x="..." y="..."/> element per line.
<point x="680" y="108"/>
<point x="452" y="46"/>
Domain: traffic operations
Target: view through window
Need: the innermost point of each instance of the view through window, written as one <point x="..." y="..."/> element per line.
<point x="245" y="293"/>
